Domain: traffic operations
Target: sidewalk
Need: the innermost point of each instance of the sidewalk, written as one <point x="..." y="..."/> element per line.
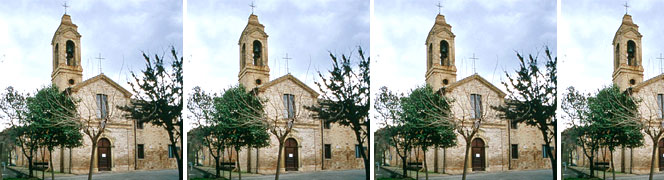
<point x="411" y="173"/>
<point x="211" y="170"/>
<point x="25" y="171"/>
<point x="598" y="173"/>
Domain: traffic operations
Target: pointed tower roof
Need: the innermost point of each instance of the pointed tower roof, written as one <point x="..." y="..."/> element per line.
<point x="66" y="25"/>
<point x="627" y="25"/>
<point x="252" y="26"/>
<point x="440" y="25"/>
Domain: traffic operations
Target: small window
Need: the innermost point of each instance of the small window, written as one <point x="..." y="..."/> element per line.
<point x="141" y="153"/>
<point x="171" y="151"/>
<point x="515" y="151"/>
<point x="326" y="124"/>
<point x="476" y="105"/>
<point x="357" y="151"/>
<point x="545" y="148"/>
<point x="328" y="151"/>
<point x="289" y="106"/>
<point x="139" y="125"/>
<point x="514" y="124"/>
<point x="660" y="102"/>
<point x="102" y="105"/>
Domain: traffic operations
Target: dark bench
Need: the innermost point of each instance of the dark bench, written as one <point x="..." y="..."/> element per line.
<point x="415" y="166"/>
<point x="40" y="166"/>
<point x="227" y="165"/>
<point x="602" y="166"/>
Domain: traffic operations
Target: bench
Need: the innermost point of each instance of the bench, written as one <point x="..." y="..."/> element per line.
<point x="40" y="166"/>
<point x="415" y="166"/>
<point x="227" y="165"/>
<point x="602" y="166"/>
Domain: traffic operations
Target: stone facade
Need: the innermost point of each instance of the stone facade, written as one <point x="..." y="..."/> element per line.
<point x="310" y="134"/>
<point x="122" y="133"/>
<point x="496" y="133"/>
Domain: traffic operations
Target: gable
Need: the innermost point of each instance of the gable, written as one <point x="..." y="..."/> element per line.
<point x="94" y="82"/>
<point x="289" y="81"/>
<point x="474" y="80"/>
<point x="655" y="82"/>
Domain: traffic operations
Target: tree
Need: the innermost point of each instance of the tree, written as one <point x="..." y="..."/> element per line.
<point x="532" y="98"/>
<point x="387" y="104"/>
<point x="14" y="107"/>
<point x="51" y="110"/>
<point x="431" y="127"/>
<point x="158" y="98"/>
<point x="209" y="130"/>
<point x="617" y="116"/>
<point x="345" y="98"/>
<point x="649" y="114"/>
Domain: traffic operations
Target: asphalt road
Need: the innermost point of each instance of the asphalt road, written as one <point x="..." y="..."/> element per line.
<point x="319" y="175"/>
<point x="544" y="174"/>
<point x="135" y="175"/>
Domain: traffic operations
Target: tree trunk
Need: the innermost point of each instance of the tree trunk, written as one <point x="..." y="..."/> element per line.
<point x="613" y="170"/>
<point x="230" y="172"/>
<point x="248" y="159"/>
<point x="239" y="168"/>
<point x="92" y="158"/>
<point x="50" y="163"/>
<point x="403" y="167"/>
<point x="435" y="160"/>
<point x="622" y="159"/>
<point x="69" y="160"/>
<point x="62" y="159"/>
<point x="652" y="160"/>
<point x="222" y="160"/>
<point x="178" y="158"/>
<point x="465" y="160"/>
<point x="216" y="162"/>
<point x="30" y="165"/>
<point x="592" y="166"/>
<point x="281" y="147"/>
<point x="444" y="159"/>
<point x="44" y="170"/>
<point x="426" y="170"/>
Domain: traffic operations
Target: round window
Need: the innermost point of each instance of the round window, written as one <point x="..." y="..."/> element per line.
<point x="71" y="82"/>
<point x="632" y="81"/>
<point x="258" y="81"/>
<point x="445" y="82"/>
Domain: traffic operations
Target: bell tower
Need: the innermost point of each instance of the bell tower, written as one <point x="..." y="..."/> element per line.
<point x="66" y="43"/>
<point x="441" y="69"/>
<point x="627" y="66"/>
<point x="254" y="70"/>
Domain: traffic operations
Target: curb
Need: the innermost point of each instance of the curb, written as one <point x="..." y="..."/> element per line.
<point x="17" y="171"/>
<point x="204" y="172"/>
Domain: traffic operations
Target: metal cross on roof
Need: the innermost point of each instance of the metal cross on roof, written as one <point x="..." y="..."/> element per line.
<point x="100" y="58"/>
<point x="660" y="58"/>
<point x="439" y="6"/>
<point x="287" y="58"/>
<point x="474" y="58"/>
<point x="626" y="6"/>
<point x="66" y="6"/>
<point x="252" y="7"/>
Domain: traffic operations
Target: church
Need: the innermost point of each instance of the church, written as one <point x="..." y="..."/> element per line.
<point x="312" y="145"/>
<point x="498" y="145"/>
<point x="124" y="145"/>
<point x="628" y="76"/>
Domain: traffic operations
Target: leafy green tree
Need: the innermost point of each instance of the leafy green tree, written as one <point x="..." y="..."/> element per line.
<point x="345" y="98"/>
<point x="158" y="98"/>
<point x="387" y="104"/>
<point x="619" y="122"/>
<point x="431" y="127"/>
<point x="210" y="131"/>
<point x="14" y="107"/>
<point x="532" y="98"/>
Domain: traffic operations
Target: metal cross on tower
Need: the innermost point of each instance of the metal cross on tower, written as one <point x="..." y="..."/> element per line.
<point x="66" y="6"/>
<point x="287" y="58"/>
<point x="100" y="58"/>
<point x="474" y="58"/>
<point x="252" y="7"/>
<point x="626" y="6"/>
<point x="439" y="6"/>
<point x="660" y="58"/>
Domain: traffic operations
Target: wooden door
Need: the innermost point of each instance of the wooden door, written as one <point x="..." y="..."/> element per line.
<point x="291" y="154"/>
<point x="104" y="155"/>
<point x="661" y="154"/>
<point x="478" y="156"/>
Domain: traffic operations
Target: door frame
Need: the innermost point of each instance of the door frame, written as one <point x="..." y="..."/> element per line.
<point x="295" y="155"/>
<point x="109" y="157"/>
<point x="660" y="148"/>
<point x="482" y="150"/>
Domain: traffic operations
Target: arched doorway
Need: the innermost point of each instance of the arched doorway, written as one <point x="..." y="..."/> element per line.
<point x="661" y="154"/>
<point x="104" y="155"/>
<point x="291" y="154"/>
<point x="478" y="158"/>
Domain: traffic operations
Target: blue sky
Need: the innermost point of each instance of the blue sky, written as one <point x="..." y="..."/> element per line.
<point x="116" y="29"/>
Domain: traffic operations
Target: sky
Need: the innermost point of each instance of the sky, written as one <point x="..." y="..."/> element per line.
<point x="493" y="31"/>
<point x="305" y="30"/>
<point x="586" y="31"/>
<point x="118" y="30"/>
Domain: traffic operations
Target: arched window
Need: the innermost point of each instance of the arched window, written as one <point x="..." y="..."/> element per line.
<point x="631" y="53"/>
<point x="243" y="56"/>
<point x="444" y="53"/>
<point x="617" y="56"/>
<point x="56" y="55"/>
<point x="258" y="50"/>
<point x="70" y="53"/>
<point x="429" y="61"/>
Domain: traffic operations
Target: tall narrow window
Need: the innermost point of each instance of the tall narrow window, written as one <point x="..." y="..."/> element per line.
<point x="71" y="53"/>
<point x="476" y="103"/>
<point x="289" y="106"/>
<point x="617" y="56"/>
<point x="56" y="53"/>
<point x="141" y="153"/>
<point x="631" y="53"/>
<point x="102" y="105"/>
<point x="258" y="50"/>
<point x="545" y="149"/>
<point x="660" y="102"/>
<point x="139" y="125"/>
<point x="243" y="56"/>
<point x="328" y="151"/>
<point x="514" y="124"/>
<point x="515" y="151"/>
<point x="444" y="53"/>
<point x="429" y="58"/>
<point x="326" y="124"/>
